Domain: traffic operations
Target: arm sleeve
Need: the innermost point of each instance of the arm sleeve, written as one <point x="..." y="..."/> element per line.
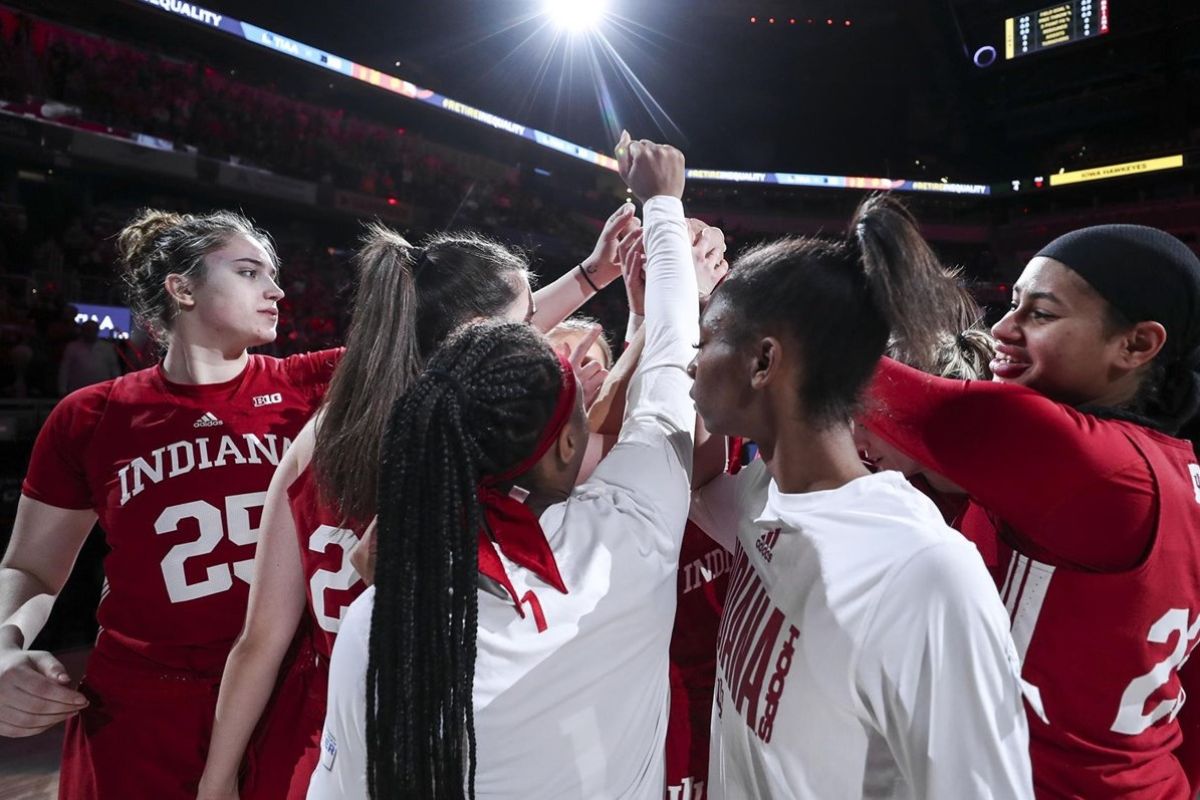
<point x="1058" y="477"/>
<point x="939" y="675"/>
<point x="313" y="369"/>
<point x="660" y="384"/>
<point x="632" y="325"/>
<point x="57" y="475"/>
<point x="653" y="457"/>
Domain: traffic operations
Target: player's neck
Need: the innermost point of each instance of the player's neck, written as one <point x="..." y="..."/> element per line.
<point x="801" y="459"/>
<point x="199" y="364"/>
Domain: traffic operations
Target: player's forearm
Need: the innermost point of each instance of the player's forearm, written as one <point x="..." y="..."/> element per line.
<point x="608" y="409"/>
<point x="25" y="603"/>
<point x="249" y="678"/>
<point x="562" y="298"/>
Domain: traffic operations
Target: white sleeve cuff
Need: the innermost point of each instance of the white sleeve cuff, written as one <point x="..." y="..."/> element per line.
<point x="631" y="327"/>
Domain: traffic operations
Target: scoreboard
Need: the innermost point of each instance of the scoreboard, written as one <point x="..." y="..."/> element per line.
<point x="1061" y="23"/>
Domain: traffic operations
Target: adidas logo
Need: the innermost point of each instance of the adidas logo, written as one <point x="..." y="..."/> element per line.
<point x="209" y="420"/>
<point x="766" y="544"/>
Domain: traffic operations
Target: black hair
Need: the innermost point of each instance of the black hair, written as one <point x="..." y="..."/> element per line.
<point x="407" y="300"/>
<point x="1167" y="393"/>
<point x="845" y="302"/>
<point x="478" y="409"/>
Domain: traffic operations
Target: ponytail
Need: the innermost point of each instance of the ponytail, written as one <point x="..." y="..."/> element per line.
<point x="919" y="299"/>
<point x="407" y="301"/>
<point x="842" y="304"/>
<point x="381" y="348"/>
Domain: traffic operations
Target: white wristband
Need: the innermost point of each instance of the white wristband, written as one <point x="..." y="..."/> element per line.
<point x="631" y="328"/>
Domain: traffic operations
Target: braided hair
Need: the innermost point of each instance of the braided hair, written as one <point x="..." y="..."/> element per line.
<point x="478" y="408"/>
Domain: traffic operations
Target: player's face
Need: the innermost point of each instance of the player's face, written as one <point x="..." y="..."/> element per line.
<point x="570" y="339"/>
<point x="1053" y="339"/>
<point x="723" y="399"/>
<point x="236" y="304"/>
<point x="881" y="455"/>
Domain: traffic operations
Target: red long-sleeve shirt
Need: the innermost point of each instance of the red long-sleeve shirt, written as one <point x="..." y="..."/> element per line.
<point x="1098" y="530"/>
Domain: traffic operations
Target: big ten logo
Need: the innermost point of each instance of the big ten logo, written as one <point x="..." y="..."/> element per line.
<point x="267" y="399"/>
<point x="1194" y="471"/>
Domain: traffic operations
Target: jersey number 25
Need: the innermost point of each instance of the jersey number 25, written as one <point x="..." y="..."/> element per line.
<point x="236" y="525"/>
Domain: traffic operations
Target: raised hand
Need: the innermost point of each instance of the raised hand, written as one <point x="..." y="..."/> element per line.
<point x="591" y="373"/>
<point x="650" y="169"/>
<point x="603" y="266"/>
<point x="632" y="254"/>
<point x="708" y="255"/>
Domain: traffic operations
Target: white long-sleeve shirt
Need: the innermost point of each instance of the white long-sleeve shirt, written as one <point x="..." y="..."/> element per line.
<point x="863" y="652"/>
<point x="571" y="700"/>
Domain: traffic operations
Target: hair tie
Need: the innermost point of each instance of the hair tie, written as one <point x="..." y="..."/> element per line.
<point x="420" y="259"/>
<point x="962" y="341"/>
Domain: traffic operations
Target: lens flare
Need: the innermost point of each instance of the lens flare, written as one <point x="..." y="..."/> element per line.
<point x="576" y="16"/>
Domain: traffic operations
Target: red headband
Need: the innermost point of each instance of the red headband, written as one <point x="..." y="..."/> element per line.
<point x="515" y="530"/>
<point x="558" y="420"/>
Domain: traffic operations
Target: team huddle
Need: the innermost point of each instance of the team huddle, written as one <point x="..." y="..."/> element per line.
<point x="814" y="533"/>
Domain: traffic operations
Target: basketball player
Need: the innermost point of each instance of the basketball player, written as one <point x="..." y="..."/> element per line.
<point x="528" y="657"/>
<point x="174" y="462"/>
<point x="408" y="299"/>
<point x="862" y="652"/>
<point x="1073" y="465"/>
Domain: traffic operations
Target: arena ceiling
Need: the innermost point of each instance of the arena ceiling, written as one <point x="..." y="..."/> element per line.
<point x="894" y="86"/>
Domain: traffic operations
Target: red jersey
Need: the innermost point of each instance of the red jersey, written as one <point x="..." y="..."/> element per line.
<point x="325" y="542"/>
<point x="178" y="475"/>
<point x="703" y="577"/>
<point x="1097" y="525"/>
<point x="704" y="567"/>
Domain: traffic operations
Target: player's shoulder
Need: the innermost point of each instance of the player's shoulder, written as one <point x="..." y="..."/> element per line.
<point x="93" y="400"/>
<point x="302" y="369"/>
<point x="942" y="586"/>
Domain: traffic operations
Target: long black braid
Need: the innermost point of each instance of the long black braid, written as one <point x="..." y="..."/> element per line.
<point x="477" y="409"/>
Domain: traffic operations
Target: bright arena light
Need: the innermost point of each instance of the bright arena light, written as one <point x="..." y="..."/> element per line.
<point x="576" y="16"/>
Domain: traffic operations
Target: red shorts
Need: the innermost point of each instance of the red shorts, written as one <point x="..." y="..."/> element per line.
<point x="144" y="735"/>
<point x="286" y="746"/>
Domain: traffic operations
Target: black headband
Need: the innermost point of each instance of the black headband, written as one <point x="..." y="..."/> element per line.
<point x="1144" y="273"/>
